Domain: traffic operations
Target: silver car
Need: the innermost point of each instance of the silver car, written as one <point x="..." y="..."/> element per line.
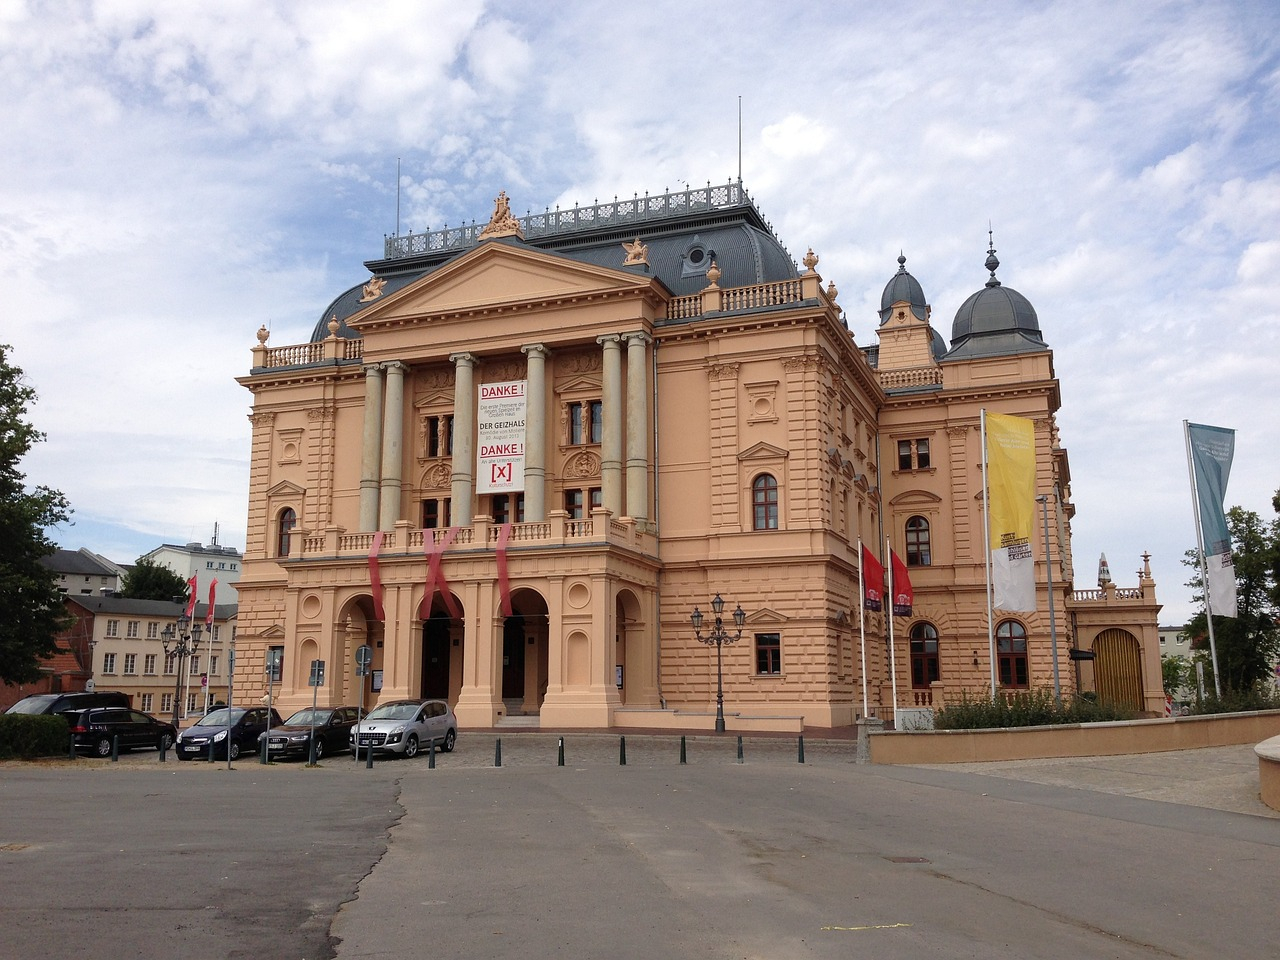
<point x="405" y="727"/>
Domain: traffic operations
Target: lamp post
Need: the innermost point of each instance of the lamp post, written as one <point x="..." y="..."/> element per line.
<point x="719" y="636"/>
<point x="184" y="640"/>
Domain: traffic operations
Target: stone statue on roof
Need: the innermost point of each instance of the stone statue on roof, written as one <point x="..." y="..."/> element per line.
<point x="502" y="223"/>
<point x="637" y="252"/>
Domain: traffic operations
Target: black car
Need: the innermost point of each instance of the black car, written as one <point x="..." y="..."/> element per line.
<point x="42" y="703"/>
<point x="94" y="729"/>
<point x="332" y="726"/>
<point x="231" y="730"/>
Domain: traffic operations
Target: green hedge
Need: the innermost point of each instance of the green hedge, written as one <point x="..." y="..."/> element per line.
<point x="25" y="736"/>
<point x="1030" y="708"/>
<point x="1238" y="701"/>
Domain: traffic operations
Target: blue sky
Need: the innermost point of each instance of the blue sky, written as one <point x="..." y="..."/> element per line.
<point x="178" y="174"/>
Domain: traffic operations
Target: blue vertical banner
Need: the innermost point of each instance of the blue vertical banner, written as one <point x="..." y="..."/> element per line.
<point x="1211" y="450"/>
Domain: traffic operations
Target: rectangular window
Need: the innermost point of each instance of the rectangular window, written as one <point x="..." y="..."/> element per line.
<point x="586" y="422"/>
<point x="195" y="664"/>
<point x="170" y="663"/>
<point x="191" y="702"/>
<point x="113" y="628"/>
<point x="573" y="500"/>
<point x="108" y="663"/>
<point x="213" y="664"/>
<point x="275" y="664"/>
<point x="913" y="454"/>
<point x="922" y="454"/>
<point x="130" y="663"/>
<point x="166" y="703"/>
<point x="501" y="507"/>
<point x="146" y="702"/>
<point x="440" y="436"/>
<point x="769" y="653"/>
<point x="149" y="664"/>
<point x="904" y="454"/>
<point x="153" y="630"/>
<point x="215" y="633"/>
<point x="436" y="513"/>
<point x="132" y="628"/>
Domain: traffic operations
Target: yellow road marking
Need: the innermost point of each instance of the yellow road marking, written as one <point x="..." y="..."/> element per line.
<point x="874" y="926"/>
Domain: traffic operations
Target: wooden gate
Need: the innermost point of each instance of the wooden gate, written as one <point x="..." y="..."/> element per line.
<point x="1117" y="664"/>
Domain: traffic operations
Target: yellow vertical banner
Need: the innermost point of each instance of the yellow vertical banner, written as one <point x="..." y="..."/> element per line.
<point x="1011" y="486"/>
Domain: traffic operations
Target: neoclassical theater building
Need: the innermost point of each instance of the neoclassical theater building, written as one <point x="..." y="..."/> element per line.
<point x="515" y="459"/>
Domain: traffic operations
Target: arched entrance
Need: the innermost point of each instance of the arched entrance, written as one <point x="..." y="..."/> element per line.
<point x="1117" y="663"/>
<point x="360" y="629"/>
<point x="524" y="653"/>
<point x="627" y="641"/>
<point x="442" y="646"/>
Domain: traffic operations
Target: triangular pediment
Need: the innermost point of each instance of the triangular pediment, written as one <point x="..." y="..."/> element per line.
<point x="286" y="489"/>
<point x="763" y="451"/>
<point x="765" y="615"/>
<point x="499" y="275"/>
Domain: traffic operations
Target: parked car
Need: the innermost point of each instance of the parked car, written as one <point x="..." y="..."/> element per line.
<point x="246" y="724"/>
<point x="332" y="727"/>
<point x="95" y="728"/>
<point x="404" y="726"/>
<point x="39" y="703"/>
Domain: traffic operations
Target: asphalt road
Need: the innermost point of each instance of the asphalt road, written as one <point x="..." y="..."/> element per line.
<point x="766" y="858"/>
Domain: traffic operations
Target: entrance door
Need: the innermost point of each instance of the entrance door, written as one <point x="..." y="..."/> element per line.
<point x="1118" y="668"/>
<point x="435" y="658"/>
<point x="513" y="658"/>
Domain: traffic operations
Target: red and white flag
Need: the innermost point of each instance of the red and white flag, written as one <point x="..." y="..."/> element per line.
<point x="208" y="617"/>
<point x="191" y="598"/>
<point x="903" y="595"/>
<point x="872" y="582"/>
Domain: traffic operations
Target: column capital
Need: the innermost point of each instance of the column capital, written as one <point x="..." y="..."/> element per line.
<point x="394" y="365"/>
<point x="535" y="349"/>
<point x="637" y="336"/>
<point x="372" y="368"/>
<point x="462" y="359"/>
<point x="609" y="338"/>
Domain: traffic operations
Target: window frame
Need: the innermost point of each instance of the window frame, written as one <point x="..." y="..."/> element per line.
<point x="768" y="654"/>
<point x="765" y="502"/>
<point x="286" y="523"/>
<point x="1012" y="653"/>
<point x="918" y="541"/>
<point x="928" y="662"/>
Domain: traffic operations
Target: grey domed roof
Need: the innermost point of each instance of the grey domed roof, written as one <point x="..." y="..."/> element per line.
<point x="903" y="286"/>
<point x="995" y="321"/>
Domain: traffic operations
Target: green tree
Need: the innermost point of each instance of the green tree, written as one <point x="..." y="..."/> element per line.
<point x="1249" y="642"/>
<point x="1176" y="673"/>
<point x="31" y="611"/>
<point x="149" y="580"/>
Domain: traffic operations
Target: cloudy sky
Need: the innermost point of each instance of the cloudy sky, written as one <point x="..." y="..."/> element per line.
<point x="176" y="175"/>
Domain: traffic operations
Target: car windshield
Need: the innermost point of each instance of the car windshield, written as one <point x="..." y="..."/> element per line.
<point x="37" y="704"/>
<point x="220" y="718"/>
<point x="395" y="711"/>
<point x="307" y="717"/>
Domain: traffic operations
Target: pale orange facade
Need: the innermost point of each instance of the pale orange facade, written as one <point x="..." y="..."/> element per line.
<point x="696" y="420"/>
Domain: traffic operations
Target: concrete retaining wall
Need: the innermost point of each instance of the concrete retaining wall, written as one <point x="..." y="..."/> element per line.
<point x="1269" y="771"/>
<point x="1074" y="740"/>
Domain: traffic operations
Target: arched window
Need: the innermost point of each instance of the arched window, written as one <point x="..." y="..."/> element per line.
<point x="1011" y="653"/>
<point x="284" y="533"/>
<point x="924" y="655"/>
<point x="764" y="503"/>
<point x="918" y="542"/>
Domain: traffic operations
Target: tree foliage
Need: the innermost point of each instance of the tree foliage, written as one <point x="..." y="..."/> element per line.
<point x="31" y="611"/>
<point x="1248" y="644"/>
<point x="149" y="580"/>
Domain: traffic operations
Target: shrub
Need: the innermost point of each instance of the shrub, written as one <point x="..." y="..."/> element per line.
<point x="1026" y="708"/>
<point x="1238" y="701"/>
<point x="26" y="736"/>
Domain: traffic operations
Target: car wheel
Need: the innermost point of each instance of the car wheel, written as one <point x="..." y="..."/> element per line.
<point x="165" y="742"/>
<point x="235" y="750"/>
<point x="411" y="746"/>
<point x="102" y="746"/>
<point x="450" y="739"/>
<point x="319" y="747"/>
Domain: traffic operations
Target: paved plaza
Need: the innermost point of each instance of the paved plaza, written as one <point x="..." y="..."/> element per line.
<point x="1170" y="855"/>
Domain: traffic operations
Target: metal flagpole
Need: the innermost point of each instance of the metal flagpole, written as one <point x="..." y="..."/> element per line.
<point x="1204" y="567"/>
<point x="986" y="557"/>
<point x="893" y="660"/>
<point x="862" y="627"/>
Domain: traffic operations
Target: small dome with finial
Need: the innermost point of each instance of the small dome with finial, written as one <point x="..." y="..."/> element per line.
<point x="995" y="321"/>
<point x="903" y="288"/>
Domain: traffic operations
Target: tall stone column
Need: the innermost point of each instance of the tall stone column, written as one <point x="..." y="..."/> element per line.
<point x="392" y="446"/>
<point x="611" y="447"/>
<point x="371" y="447"/>
<point x="535" y="435"/>
<point x="638" y="428"/>
<point x="464" y="437"/>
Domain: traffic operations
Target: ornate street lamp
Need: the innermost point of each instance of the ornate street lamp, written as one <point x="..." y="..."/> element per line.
<point x="184" y="640"/>
<point x="719" y="636"/>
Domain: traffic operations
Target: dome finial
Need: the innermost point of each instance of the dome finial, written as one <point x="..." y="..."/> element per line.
<point x="902" y="262"/>
<point x="991" y="263"/>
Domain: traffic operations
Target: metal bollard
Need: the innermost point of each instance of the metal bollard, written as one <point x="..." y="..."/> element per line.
<point x="164" y="747"/>
<point x="431" y="755"/>
<point x="622" y="751"/>
<point x="682" y="753"/>
<point x="211" y="750"/>
<point x="71" y="746"/>
<point x="800" y="758"/>
<point x="115" y="747"/>
<point x="560" y="753"/>
<point x="739" y="749"/>
<point x="497" y="753"/>
<point x="368" y="755"/>
<point x="263" y="753"/>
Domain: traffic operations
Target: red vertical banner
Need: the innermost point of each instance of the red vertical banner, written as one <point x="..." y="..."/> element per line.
<point x="903" y="596"/>
<point x="208" y="617"/>
<point x="504" y="585"/>
<point x="192" y="586"/>
<point x="872" y="582"/>
<point x="375" y="579"/>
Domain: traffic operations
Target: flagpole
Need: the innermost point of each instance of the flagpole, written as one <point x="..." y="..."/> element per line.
<point x="986" y="551"/>
<point x="1204" y="567"/>
<point x="893" y="660"/>
<point x="862" y="629"/>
